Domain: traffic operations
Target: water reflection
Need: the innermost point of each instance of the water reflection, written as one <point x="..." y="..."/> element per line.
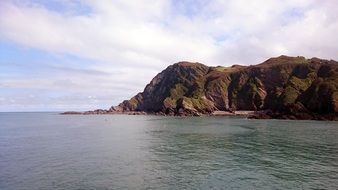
<point x="239" y="153"/>
<point x="51" y="151"/>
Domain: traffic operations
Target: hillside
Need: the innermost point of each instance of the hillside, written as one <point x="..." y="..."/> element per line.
<point x="284" y="87"/>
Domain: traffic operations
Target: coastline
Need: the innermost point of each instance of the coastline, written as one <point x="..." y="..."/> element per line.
<point x="214" y="113"/>
<point x="263" y="114"/>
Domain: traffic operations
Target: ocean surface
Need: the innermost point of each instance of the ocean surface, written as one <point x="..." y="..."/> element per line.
<point x="52" y="151"/>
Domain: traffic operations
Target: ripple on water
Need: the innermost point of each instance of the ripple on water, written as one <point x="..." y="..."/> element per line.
<point x="51" y="151"/>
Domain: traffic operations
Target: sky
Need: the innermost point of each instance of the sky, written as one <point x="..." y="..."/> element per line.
<point x="60" y="55"/>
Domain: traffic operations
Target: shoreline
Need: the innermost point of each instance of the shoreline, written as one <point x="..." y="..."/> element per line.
<point x="249" y="114"/>
<point x="215" y="113"/>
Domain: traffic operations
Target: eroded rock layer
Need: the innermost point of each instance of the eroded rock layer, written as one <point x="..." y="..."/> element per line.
<point x="288" y="87"/>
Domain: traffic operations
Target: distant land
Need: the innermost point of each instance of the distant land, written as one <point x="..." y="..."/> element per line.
<point x="282" y="87"/>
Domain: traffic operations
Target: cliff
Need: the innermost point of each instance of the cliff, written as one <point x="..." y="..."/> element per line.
<point x="281" y="87"/>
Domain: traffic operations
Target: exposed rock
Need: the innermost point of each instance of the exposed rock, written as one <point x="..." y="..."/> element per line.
<point x="71" y="113"/>
<point x="98" y="111"/>
<point x="116" y="109"/>
<point x="282" y="87"/>
<point x="290" y="87"/>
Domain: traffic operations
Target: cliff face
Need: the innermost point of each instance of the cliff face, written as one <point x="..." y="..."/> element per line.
<point x="287" y="86"/>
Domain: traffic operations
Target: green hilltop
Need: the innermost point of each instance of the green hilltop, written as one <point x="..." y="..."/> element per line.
<point x="282" y="87"/>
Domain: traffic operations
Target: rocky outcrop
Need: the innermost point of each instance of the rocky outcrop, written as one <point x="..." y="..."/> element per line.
<point x="179" y="89"/>
<point x="289" y="87"/>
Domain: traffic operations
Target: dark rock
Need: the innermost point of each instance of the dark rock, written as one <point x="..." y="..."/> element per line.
<point x="71" y="113"/>
<point x="290" y="87"/>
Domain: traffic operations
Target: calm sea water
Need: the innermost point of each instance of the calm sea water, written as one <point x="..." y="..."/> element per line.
<point x="52" y="151"/>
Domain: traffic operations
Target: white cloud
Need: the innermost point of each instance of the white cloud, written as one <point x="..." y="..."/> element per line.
<point x="133" y="40"/>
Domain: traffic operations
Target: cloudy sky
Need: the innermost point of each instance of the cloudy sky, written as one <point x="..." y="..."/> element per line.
<point x="79" y="55"/>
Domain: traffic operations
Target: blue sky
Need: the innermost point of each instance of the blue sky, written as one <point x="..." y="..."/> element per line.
<point x="82" y="55"/>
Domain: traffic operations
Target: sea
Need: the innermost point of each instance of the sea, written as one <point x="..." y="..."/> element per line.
<point x="41" y="151"/>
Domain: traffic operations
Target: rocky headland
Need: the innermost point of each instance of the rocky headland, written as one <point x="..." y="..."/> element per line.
<point x="283" y="87"/>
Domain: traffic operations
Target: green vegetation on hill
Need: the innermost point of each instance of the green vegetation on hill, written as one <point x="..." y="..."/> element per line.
<point x="293" y="86"/>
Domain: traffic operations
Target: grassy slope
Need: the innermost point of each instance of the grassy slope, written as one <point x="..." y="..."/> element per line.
<point x="283" y="84"/>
